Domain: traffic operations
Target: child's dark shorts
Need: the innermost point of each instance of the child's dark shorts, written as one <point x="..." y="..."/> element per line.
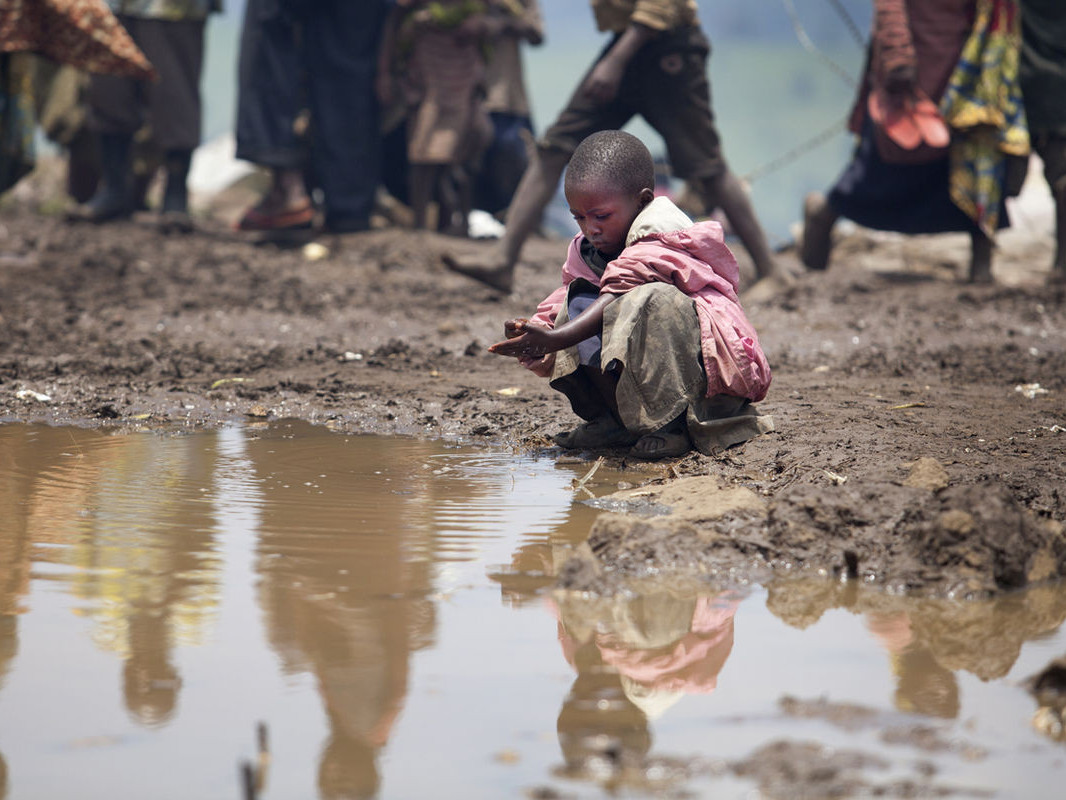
<point x="666" y="83"/>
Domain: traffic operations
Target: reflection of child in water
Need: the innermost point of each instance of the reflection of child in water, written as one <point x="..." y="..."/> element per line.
<point x="662" y="646"/>
<point x="646" y="336"/>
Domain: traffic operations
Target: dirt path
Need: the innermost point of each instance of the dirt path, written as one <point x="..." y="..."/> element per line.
<point x="920" y="421"/>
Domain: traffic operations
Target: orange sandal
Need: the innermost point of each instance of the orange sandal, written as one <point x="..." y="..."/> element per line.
<point x="291" y="219"/>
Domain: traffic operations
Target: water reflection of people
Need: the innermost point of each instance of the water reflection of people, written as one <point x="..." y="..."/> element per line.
<point x="20" y="459"/>
<point x="343" y="600"/>
<point x="8" y="648"/>
<point x="635" y="658"/>
<point x="151" y="575"/>
<point x="146" y="567"/>
<point x="118" y="509"/>
<point x="929" y="640"/>
<point x="923" y="686"/>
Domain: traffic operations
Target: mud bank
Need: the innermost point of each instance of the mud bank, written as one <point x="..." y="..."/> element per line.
<point x="966" y="541"/>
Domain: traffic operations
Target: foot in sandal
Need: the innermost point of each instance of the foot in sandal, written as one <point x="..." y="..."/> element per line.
<point x="670" y="441"/>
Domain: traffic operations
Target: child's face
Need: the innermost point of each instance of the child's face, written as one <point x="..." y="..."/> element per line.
<point x="606" y="214"/>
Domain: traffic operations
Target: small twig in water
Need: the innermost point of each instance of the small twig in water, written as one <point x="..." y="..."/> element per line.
<point x="263" y="761"/>
<point x="581" y="483"/>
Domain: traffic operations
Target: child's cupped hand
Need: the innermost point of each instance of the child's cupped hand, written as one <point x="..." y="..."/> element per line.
<point x="524" y="340"/>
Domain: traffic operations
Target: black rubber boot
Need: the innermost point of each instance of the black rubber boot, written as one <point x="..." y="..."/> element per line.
<point x="174" y="215"/>
<point x="111" y="199"/>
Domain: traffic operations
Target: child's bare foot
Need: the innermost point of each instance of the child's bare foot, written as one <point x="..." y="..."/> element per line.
<point x="818" y="221"/>
<point x="670" y="441"/>
<point x="494" y="275"/>
<point x="602" y="432"/>
<point x="654" y="446"/>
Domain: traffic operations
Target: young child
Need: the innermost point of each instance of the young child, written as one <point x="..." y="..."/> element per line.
<point x="437" y="46"/>
<point x="646" y="336"/>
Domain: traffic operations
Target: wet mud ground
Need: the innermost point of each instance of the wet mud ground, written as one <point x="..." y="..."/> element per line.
<point x="920" y="438"/>
<point x="920" y="442"/>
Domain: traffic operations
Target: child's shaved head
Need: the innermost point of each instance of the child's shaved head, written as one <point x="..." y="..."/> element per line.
<point x="611" y="159"/>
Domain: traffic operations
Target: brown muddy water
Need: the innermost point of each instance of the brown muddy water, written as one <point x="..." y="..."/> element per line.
<point x="384" y="606"/>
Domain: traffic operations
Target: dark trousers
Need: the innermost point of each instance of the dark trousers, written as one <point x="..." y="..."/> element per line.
<point x="172" y="104"/>
<point x="321" y="56"/>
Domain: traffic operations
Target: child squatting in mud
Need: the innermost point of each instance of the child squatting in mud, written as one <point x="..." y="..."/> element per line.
<point x="646" y="336"/>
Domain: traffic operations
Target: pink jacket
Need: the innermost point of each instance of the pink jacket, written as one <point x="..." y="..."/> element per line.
<point x="697" y="261"/>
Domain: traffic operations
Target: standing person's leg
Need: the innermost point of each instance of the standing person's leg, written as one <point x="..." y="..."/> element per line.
<point x="423" y="185"/>
<point x="1051" y="148"/>
<point x="115" y="113"/>
<point x="1058" y="267"/>
<point x="174" y="107"/>
<point x="818" y="221"/>
<point x="535" y="190"/>
<point x="980" y="257"/>
<point x="669" y="78"/>
<point x="504" y="162"/>
<point x="340" y="53"/>
<point x="269" y="100"/>
<point x="579" y="119"/>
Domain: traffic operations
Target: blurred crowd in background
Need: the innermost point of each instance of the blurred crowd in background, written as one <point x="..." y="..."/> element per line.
<point x="421" y="107"/>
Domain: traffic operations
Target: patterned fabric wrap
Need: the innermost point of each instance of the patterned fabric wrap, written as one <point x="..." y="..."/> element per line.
<point x="983" y="105"/>
<point x="173" y="10"/>
<point x="82" y="33"/>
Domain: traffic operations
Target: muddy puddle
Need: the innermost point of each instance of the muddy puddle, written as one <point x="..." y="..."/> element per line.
<point x="384" y="606"/>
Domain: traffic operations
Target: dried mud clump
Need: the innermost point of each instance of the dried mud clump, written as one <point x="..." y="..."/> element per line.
<point x="983" y="541"/>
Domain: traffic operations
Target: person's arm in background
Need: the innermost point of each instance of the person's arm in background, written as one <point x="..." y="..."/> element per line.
<point x="895" y="64"/>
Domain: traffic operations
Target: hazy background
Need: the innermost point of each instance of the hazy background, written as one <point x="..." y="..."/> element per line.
<point x="770" y="95"/>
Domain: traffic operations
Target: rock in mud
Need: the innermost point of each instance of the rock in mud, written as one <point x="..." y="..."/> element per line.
<point x="927" y="473"/>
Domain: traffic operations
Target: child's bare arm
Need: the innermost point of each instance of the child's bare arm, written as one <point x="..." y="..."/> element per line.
<point x="527" y="340"/>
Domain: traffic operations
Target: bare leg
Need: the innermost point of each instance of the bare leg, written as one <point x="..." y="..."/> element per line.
<point x="980" y="258"/>
<point x="447" y="184"/>
<point x="724" y="191"/>
<point x="423" y="179"/>
<point x="1058" y="268"/>
<point x="455" y="202"/>
<point x="496" y="267"/>
<point x="818" y="221"/>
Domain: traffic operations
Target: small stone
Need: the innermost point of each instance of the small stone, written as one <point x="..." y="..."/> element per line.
<point x="927" y="473"/>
